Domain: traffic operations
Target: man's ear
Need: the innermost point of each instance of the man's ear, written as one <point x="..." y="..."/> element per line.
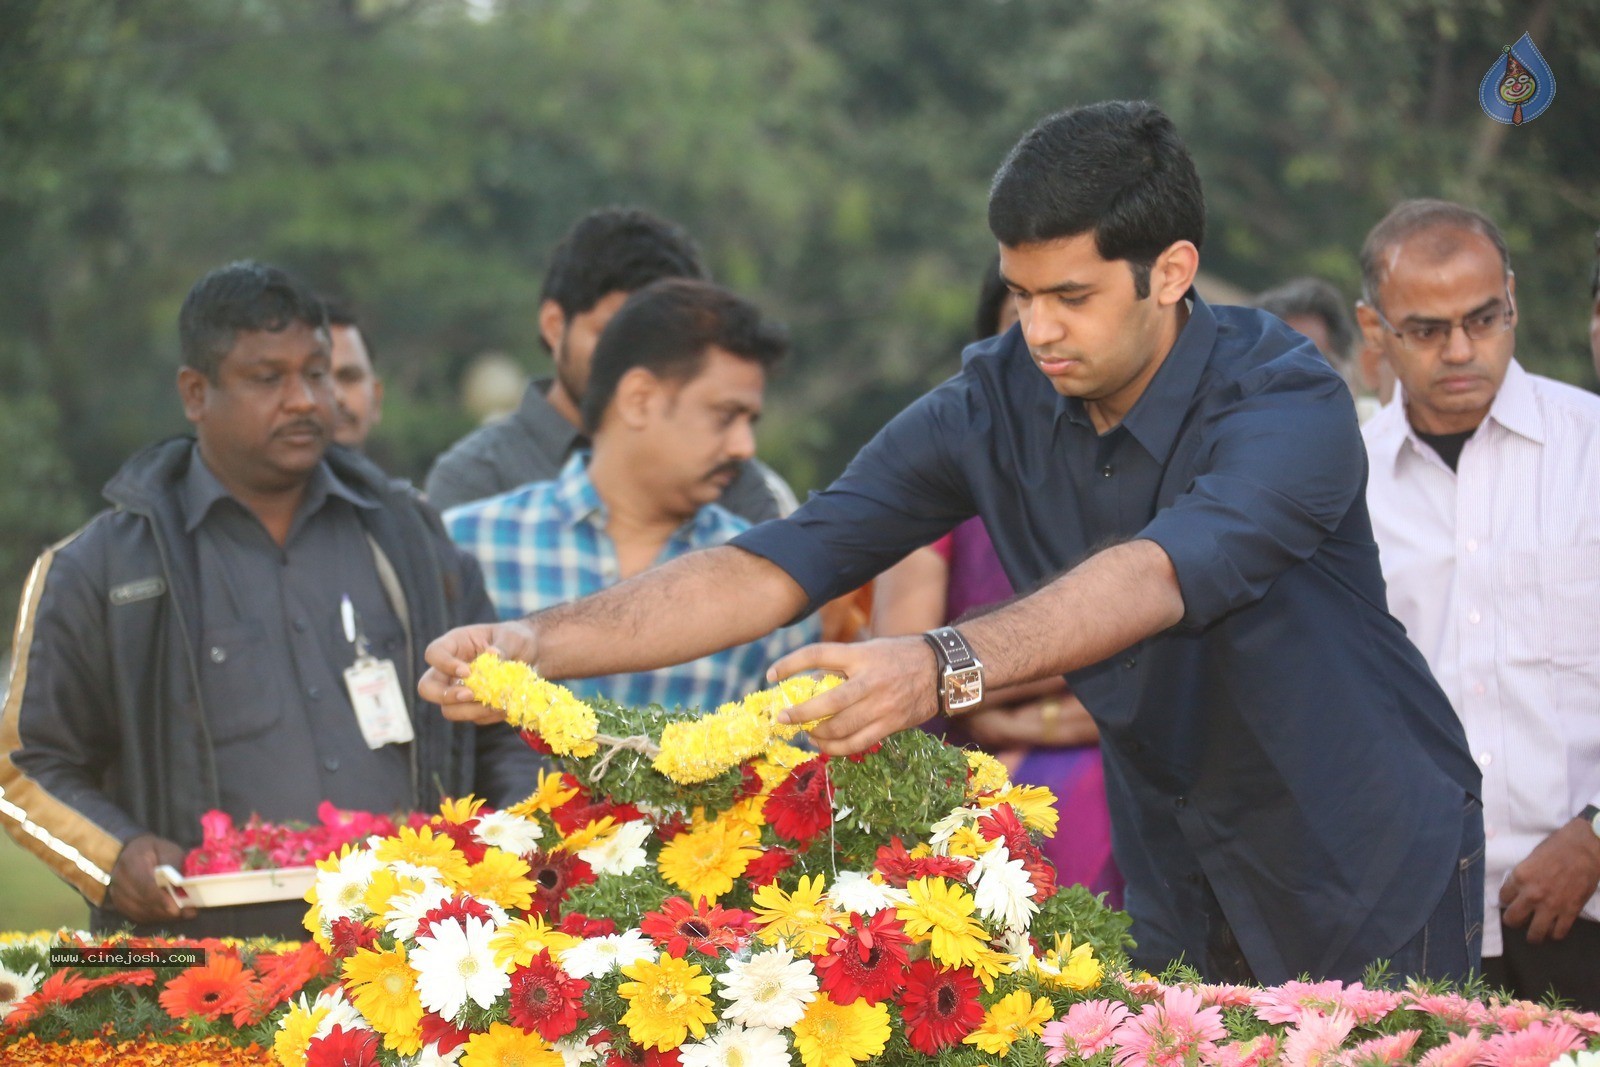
<point x="1173" y="272"/>
<point x="552" y="324"/>
<point x="193" y="387"/>
<point x="638" y="396"/>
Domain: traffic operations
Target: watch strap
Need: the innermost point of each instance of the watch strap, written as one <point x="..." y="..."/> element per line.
<point x="1591" y="815"/>
<point x="954" y="652"/>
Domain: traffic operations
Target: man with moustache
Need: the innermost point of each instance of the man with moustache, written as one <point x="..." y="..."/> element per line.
<point x="671" y="406"/>
<point x="1487" y="511"/>
<point x="187" y="651"/>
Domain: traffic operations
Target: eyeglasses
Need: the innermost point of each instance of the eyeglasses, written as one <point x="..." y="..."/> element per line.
<point x="1431" y="336"/>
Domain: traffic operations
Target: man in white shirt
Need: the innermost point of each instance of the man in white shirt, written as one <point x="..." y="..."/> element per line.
<point x="1485" y="501"/>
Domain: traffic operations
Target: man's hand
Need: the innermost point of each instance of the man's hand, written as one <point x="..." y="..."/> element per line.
<point x="450" y="660"/>
<point x="1547" y="890"/>
<point x="890" y="684"/>
<point x="133" y="890"/>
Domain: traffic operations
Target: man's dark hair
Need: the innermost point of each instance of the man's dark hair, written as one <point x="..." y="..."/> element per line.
<point x="1116" y="169"/>
<point x="617" y="250"/>
<point x="992" y="296"/>
<point x="1411" y="217"/>
<point x="668" y="328"/>
<point x="341" y="313"/>
<point x="243" y="297"/>
<point x="1320" y="300"/>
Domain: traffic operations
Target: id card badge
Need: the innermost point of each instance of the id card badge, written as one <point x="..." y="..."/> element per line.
<point x="380" y="706"/>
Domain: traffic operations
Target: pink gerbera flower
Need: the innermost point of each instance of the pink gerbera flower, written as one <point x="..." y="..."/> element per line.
<point x="1315" y="1038"/>
<point x="1169" y="1033"/>
<point x="1288" y="1002"/>
<point x="1084" y="1030"/>
<point x="1226" y="996"/>
<point x="1535" y="1046"/>
<point x="1259" y="1050"/>
<point x="1386" y="1051"/>
<point x="1517" y="1014"/>
<point x="1461" y="1050"/>
<point x="1451" y="1008"/>
<point x="1587" y="1022"/>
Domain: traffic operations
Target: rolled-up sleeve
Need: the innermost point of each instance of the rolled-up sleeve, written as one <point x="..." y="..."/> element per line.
<point x="903" y="490"/>
<point x="1285" y="462"/>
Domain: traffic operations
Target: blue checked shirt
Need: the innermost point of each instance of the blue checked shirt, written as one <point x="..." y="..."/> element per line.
<point x="546" y="544"/>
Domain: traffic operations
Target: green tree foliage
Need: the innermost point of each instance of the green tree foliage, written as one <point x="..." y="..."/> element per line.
<point x="419" y="157"/>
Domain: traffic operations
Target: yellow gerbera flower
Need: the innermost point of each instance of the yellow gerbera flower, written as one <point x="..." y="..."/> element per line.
<point x="424" y="848"/>
<point x="459" y="810"/>
<point x="502" y="878"/>
<point x="941" y="914"/>
<point x="704" y="861"/>
<point x="509" y="1046"/>
<point x="587" y="834"/>
<point x="966" y="841"/>
<point x="383" y="988"/>
<point x="1014" y="1016"/>
<point x="296" y="1031"/>
<point x="1068" y="966"/>
<point x="518" y="941"/>
<point x="667" y="1000"/>
<point x="988" y="773"/>
<point x="840" y="1035"/>
<point x="804" y="919"/>
<point x="387" y="884"/>
<point x="988" y="963"/>
<point x="551" y="792"/>
<point x="1035" y="805"/>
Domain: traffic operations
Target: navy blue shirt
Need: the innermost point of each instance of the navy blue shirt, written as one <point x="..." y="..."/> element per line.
<point x="1285" y="745"/>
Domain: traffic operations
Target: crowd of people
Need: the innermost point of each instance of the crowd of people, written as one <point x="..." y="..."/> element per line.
<point x="1292" y="608"/>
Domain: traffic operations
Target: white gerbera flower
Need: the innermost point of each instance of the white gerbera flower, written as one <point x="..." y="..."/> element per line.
<point x="430" y="1056"/>
<point x="595" y="956"/>
<point x="340" y="891"/>
<point x="1016" y="943"/>
<point x="16" y="987"/>
<point x="941" y="831"/>
<point x="1578" y="1059"/>
<point x="771" y="988"/>
<point x="575" y="1049"/>
<point x="737" y="1046"/>
<point x="456" y="964"/>
<point x="407" y="909"/>
<point x="515" y="834"/>
<point x="857" y="892"/>
<point x="1002" y="889"/>
<point x="619" y="852"/>
<point x="341" y="1013"/>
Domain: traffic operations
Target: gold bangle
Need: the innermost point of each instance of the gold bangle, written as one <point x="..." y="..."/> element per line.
<point x="1049" y="715"/>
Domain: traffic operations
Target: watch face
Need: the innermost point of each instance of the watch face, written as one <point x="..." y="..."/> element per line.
<point x="963" y="688"/>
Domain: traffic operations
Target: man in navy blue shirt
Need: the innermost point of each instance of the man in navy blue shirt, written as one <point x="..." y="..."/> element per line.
<point x="1182" y="488"/>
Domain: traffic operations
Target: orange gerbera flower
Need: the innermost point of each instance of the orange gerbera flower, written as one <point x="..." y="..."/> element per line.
<point x="283" y="974"/>
<point x="220" y="987"/>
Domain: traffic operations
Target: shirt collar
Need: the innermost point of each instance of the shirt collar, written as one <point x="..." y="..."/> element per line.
<point x="547" y="426"/>
<point x="575" y="498"/>
<point x="202" y="489"/>
<point x="1515" y="407"/>
<point x="1158" y="414"/>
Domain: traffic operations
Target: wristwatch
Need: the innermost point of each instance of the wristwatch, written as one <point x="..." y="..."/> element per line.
<point x="960" y="675"/>
<point x="1591" y="815"/>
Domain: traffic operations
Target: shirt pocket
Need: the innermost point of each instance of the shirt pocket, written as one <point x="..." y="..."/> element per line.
<point x="243" y="699"/>
<point x="1570" y="575"/>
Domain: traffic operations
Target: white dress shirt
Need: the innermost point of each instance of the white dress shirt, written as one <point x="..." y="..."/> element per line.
<point x="1495" y="571"/>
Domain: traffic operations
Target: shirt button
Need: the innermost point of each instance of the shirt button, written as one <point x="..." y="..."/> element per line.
<point x="218" y="654"/>
<point x="1485" y="758"/>
<point x="1129" y="663"/>
<point x="1473" y="617"/>
<point x="331" y="763"/>
<point x="1105" y="472"/>
<point x="1477" y="689"/>
<point x="1181" y="802"/>
<point x="299" y="626"/>
<point x="1472" y="544"/>
<point x="314" y="692"/>
<point x="1488" y="831"/>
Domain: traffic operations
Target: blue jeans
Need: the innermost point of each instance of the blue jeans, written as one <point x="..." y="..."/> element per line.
<point x="1450" y="944"/>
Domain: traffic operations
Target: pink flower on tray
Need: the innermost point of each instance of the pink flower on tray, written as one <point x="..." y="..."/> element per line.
<point x="1170" y="1033"/>
<point x="1461" y="1050"/>
<point x="1084" y="1030"/>
<point x="1386" y="1051"/>
<point x="1259" y="1050"/>
<point x="1535" y="1046"/>
<point x="1315" y="1039"/>
<point x="1291" y="1001"/>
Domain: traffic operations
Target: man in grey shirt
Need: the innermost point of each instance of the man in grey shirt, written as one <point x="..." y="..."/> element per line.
<point x="606" y="256"/>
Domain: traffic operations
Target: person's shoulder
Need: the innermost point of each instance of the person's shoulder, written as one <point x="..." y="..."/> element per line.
<point x="1259" y="351"/>
<point x="715" y="524"/>
<point x="1569" y="400"/>
<point x="524" y="503"/>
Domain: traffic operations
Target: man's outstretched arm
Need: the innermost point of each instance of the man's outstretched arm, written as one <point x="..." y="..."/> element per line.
<point x="1112" y="600"/>
<point x="695" y="605"/>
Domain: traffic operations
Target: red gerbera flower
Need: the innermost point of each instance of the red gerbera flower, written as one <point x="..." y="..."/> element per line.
<point x="867" y="962"/>
<point x="708" y="928"/>
<point x="545" y="1000"/>
<point x="535" y="742"/>
<point x="462" y="834"/>
<point x="578" y="924"/>
<point x="898" y="868"/>
<point x="456" y="909"/>
<point x="343" y="1048"/>
<point x="1001" y="823"/>
<point x="442" y="1032"/>
<point x="220" y="986"/>
<point x="347" y="936"/>
<point x="765" y="868"/>
<point x="670" y="826"/>
<point x="940" y="1006"/>
<point x="555" y="873"/>
<point x="580" y="811"/>
<point x="801" y="806"/>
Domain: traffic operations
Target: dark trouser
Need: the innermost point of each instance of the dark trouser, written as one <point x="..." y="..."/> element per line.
<point x="1570" y="967"/>
<point x="1447" y="946"/>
